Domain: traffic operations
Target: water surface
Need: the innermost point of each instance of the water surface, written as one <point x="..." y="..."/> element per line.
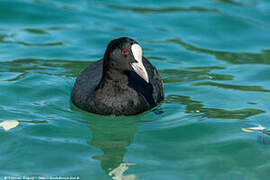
<point x="214" y="59"/>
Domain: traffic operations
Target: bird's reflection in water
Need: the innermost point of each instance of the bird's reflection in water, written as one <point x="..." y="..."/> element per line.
<point x="113" y="135"/>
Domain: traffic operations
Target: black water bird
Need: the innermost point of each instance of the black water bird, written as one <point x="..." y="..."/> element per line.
<point x="122" y="83"/>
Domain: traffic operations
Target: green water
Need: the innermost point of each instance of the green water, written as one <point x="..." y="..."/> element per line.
<point x="214" y="59"/>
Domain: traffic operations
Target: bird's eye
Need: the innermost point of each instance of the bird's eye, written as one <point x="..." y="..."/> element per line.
<point x="124" y="52"/>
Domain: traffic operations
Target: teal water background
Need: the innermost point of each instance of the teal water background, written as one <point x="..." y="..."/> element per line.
<point x="214" y="59"/>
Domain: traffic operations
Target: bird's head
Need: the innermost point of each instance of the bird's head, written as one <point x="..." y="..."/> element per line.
<point x="125" y="54"/>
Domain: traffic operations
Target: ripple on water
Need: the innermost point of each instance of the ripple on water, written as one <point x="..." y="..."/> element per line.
<point x="193" y="74"/>
<point x="162" y="10"/>
<point x="229" y="57"/>
<point x="235" y="87"/>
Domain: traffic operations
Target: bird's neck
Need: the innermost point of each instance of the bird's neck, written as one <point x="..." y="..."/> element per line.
<point x="114" y="78"/>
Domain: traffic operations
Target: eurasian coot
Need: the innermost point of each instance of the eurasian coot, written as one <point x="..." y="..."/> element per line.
<point x="122" y="83"/>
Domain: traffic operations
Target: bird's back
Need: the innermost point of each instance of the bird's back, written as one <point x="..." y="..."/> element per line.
<point x="86" y="83"/>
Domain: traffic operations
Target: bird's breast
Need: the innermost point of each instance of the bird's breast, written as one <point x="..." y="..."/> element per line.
<point x="121" y="102"/>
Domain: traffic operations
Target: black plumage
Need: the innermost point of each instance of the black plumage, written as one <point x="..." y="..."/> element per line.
<point x="122" y="83"/>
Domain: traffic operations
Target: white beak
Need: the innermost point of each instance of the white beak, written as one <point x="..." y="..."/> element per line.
<point x="138" y="66"/>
